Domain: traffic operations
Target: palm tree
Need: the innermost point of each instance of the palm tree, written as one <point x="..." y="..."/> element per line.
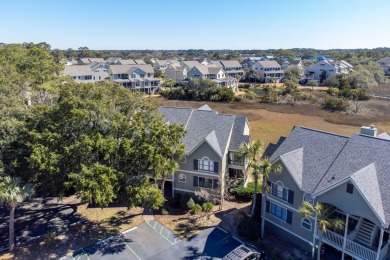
<point x="11" y="192"/>
<point x="167" y="169"/>
<point x="252" y="153"/>
<point x="265" y="168"/>
<point x="324" y="220"/>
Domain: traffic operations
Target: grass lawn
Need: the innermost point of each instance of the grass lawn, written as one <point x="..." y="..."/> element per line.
<point x="100" y="224"/>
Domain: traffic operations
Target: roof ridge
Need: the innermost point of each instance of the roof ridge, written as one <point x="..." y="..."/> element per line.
<point x="373" y="137"/>
<point x="321" y="131"/>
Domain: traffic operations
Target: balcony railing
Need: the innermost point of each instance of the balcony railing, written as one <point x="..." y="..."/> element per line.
<point x="351" y="247"/>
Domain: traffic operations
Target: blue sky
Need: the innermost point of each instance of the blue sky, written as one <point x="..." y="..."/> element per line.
<point x="197" y="24"/>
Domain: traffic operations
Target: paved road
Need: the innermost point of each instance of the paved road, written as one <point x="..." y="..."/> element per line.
<point x="152" y="240"/>
<point x="36" y="218"/>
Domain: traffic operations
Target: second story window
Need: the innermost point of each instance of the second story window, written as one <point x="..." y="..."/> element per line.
<point x="205" y="164"/>
<point x="308" y="198"/>
<point x="234" y="159"/>
<point x="278" y="190"/>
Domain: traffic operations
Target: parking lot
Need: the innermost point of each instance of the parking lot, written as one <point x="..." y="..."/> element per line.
<point x="151" y="240"/>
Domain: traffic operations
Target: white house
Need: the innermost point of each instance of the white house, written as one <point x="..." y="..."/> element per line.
<point x="217" y="74"/>
<point x="231" y="67"/>
<point x="327" y="68"/>
<point x="89" y="73"/>
<point x="136" y="77"/>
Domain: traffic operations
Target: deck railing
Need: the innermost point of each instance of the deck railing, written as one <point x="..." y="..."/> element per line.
<point x="351" y="247"/>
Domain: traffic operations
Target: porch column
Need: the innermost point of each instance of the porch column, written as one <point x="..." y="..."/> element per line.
<point x="173" y="184"/>
<point x="345" y="236"/>
<point x="380" y="243"/>
<point x="313" y="250"/>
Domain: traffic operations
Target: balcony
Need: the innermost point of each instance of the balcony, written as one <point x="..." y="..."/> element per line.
<point x="354" y="249"/>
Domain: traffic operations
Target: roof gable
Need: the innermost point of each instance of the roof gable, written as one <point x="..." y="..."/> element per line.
<point x="294" y="163"/>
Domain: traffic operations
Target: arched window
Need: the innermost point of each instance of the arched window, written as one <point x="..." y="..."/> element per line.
<point x="306" y="223"/>
<point x="206" y="165"/>
<point x="281" y="192"/>
<point x="182" y="177"/>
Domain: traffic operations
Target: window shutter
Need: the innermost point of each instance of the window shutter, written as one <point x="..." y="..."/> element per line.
<point x="195" y="164"/>
<point x="216" y="167"/>
<point x="290" y="197"/>
<point x="267" y="206"/>
<point x="289" y="217"/>
<point x="274" y="189"/>
<point x="195" y="181"/>
<point x="269" y="183"/>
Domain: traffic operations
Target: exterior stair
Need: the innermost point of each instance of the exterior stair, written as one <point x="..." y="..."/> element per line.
<point x="366" y="233"/>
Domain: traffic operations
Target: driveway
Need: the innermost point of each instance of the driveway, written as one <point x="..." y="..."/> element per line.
<point x="151" y="240"/>
<point x="36" y="218"/>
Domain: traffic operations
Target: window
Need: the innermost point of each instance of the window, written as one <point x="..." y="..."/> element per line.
<point x="206" y="165"/>
<point x="137" y="83"/>
<point x="278" y="190"/>
<point x="133" y="76"/>
<point x="182" y="177"/>
<point x="306" y="223"/>
<point x="236" y="173"/>
<point x="204" y="182"/>
<point x="142" y="75"/>
<point x="88" y="77"/>
<point x="279" y="212"/>
<point x="350" y="188"/>
<point x="234" y="159"/>
<point x="308" y="198"/>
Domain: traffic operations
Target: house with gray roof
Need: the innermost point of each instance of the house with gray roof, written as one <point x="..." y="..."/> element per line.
<point x="135" y="77"/>
<point x="385" y="65"/>
<point x="232" y="68"/>
<point x="268" y="71"/>
<point x="326" y="69"/>
<point x="215" y="73"/>
<point x="84" y="61"/>
<point x="88" y="73"/>
<point x="212" y="141"/>
<point x="352" y="174"/>
<point x="176" y="72"/>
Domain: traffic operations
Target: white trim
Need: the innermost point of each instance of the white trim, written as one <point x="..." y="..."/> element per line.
<point x="311" y="225"/>
<point x="200" y="172"/>
<point x="292" y="233"/>
<point x="185" y="178"/>
<point x="281" y="201"/>
<point x="185" y="190"/>
<point x="331" y="187"/>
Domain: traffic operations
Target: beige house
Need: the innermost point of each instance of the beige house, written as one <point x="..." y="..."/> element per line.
<point x="176" y="71"/>
<point x="268" y="71"/>
<point x="217" y="74"/>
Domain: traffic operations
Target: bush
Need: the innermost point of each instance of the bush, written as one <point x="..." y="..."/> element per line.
<point x="207" y="206"/>
<point x="245" y="194"/>
<point x="335" y="104"/>
<point x="312" y="83"/>
<point x="164" y="211"/>
<point x="196" y="209"/>
<point x="190" y="204"/>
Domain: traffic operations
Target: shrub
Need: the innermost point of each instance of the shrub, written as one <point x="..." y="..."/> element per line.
<point x="335" y="104"/>
<point x="245" y="194"/>
<point x="196" y="209"/>
<point x="164" y="211"/>
<point x="190" y="204"/>
<point x="312" y="83"/>
<point x="207" y="206"/>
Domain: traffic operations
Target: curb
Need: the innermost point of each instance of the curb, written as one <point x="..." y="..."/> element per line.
<point x="129" y="230"/>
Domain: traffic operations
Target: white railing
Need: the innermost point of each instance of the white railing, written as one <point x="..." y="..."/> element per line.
<point x="333" y="238"/>
<point x="360" y="250"/>
<point x="351" y="247"/>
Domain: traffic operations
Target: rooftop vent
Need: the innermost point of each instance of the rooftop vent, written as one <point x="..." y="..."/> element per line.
<point x="368" y="130"/>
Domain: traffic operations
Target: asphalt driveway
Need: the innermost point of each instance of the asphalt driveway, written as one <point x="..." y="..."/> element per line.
<point x="152" y="240"/>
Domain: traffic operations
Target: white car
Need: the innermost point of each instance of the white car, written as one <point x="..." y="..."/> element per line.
<point x="242" y="253"/>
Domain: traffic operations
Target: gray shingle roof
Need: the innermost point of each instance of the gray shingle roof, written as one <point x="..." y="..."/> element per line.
<point x="269" y="63"/>
<point x="77" y="70"/>
<point x="385" y="60"/>
<point x="190" y="63"/>
<point x="231" y="64"/>
<point x="203" y="125"/>
<point x="327" y="160"/>
<point x="238" y="136"/>
<point x="384" y="136"/>
<point x="124" y="69"/>
<point x="319" y="151"/>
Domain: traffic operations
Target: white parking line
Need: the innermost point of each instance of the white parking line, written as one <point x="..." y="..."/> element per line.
<point x="166" y="238"/>
<point x="133" y="251"/>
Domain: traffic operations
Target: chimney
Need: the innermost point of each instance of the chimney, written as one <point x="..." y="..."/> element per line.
<point x="368" y="130"/>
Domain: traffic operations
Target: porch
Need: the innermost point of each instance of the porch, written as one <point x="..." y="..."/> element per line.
<point x="361" y="239"/>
